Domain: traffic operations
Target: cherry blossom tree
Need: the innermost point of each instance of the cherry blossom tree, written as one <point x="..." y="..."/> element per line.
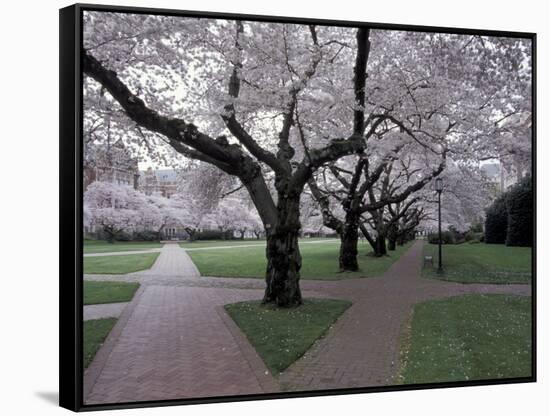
<point x="115" y="208"/>
<point x="189" y="213"/>
<point x="466" y="194"/>
<point x="403" y="221"/>
<point x="161" y="212"/>
<point x="273" y="103"/>
<point x="311" y="216"/>
<point x="365" y="186"/>
<point x="126" y="55"/>
<point x="431" y="110"/>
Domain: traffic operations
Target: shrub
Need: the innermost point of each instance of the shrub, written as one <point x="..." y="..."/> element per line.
<point x="123" y="236"/>
<point x="496" y="222"/>
<point x="214" y="235"/>
<point x="458" y="237"/>
<point x="519" y="204"/>
<point x="146" y="236"/>
<point x="473" y="236"/>
<point x="104" y="235"/>
<point x="447" y="237"/>
<point x="476" y="227"/>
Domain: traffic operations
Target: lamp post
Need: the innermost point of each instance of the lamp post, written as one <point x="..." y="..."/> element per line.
<point x="439" y="189"/>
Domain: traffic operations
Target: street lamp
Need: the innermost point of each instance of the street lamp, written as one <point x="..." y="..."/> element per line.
<point x="439" y="189"/>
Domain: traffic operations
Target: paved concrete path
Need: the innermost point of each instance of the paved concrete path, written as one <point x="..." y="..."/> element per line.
<point x="104" y="310"/>
<point x="172" y="261"/>
<point x="175" y="341"/>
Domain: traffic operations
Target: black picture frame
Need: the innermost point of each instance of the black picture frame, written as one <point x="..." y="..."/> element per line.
<point x="71" y="215"/>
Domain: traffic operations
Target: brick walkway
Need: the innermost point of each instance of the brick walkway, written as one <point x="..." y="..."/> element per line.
<point x="175" y="345"/>
<point x="362" y="348"/>
<point x="173" y="341"/>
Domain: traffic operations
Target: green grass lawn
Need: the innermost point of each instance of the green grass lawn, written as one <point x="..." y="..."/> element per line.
<point x="120" y="264"/>
<point x="227" y="243"/>
<point x="319" y="261"/>
<point x="95" y="332"/>
<point x="481" y="263"/>
<point x="470" y="337"/>
<point x="108" y="292"/>
<point x="100" y="246"/>
<point x="220" y="243"/>
<point x="282" y="335"/>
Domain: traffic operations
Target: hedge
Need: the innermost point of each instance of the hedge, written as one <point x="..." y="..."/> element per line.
<point x="447" y="237"/>
<point x="496" y="222"/>
<point x="519" y="205"/>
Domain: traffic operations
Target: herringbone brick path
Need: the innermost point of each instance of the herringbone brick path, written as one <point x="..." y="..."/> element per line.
<point x="362" y="349"/>
<point x="176" y="346"/>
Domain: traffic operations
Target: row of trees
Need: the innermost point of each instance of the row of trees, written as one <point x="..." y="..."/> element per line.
<point x="360" y="119"/>
<point x="120" y="209"/>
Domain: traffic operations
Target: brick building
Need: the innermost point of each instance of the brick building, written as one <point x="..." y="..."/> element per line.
<point x="110" y="163"/>
<point x="159" y="181"/>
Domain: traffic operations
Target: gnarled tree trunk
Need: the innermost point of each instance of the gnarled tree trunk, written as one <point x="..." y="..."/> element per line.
<point x="392" y="237"/>
<point x="283" y="255"/>
<point x="380" y="248"/>
<point x="348" y="244"/>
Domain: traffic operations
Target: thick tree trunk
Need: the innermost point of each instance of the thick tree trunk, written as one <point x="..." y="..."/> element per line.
<point x="348" y="252"/>
<point x="283" y="255"/>
<point x="159" y="233"/>
<point x="392" y="237"/>
<point x="110" y="235"/>
<point x="348" y="244"/>
<point x="191" y="233"/>
<point x="368" y="237"/>
<point x="380" y="249"/>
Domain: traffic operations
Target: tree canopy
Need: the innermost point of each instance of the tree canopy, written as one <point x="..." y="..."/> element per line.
<point x="278" y="106"/>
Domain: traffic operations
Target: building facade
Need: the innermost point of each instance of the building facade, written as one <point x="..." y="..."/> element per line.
<point x="162" y="182"/>
<point x="110" y="163"/>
